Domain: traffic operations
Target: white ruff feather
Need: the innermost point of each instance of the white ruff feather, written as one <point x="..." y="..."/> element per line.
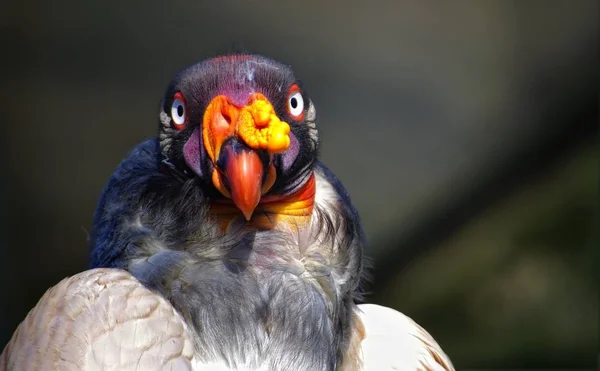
<point x="104" y="319"/>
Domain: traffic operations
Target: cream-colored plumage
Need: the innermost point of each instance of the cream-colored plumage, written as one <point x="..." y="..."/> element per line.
<point x="104" y="319"/>
<point x="101" y="319"/>
<point x="393" y="341"/>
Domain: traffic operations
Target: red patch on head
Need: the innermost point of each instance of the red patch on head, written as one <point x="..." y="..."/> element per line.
<point x="230" y="58"/>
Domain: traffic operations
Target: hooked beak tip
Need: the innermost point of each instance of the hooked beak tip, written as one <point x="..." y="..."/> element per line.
<point x="248" y="214"/>
<point x="244" y="171"/>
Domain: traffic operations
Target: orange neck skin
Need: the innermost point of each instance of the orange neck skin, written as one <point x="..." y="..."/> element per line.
<point x="295" y="209"/>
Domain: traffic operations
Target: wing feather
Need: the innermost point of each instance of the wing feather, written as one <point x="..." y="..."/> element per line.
<point x="393" y="341"/>
<point x="101" y="319"/>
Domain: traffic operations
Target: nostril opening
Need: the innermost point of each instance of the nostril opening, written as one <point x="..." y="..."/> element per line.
<point x="221" y="120"/>
<point x="226" y="117"/>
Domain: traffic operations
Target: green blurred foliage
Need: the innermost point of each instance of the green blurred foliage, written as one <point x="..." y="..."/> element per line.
<point x="518" y="284"/>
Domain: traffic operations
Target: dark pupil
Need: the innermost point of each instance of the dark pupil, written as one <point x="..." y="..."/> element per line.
<point x="293" y="102"/>
<point x="180" y="110"/>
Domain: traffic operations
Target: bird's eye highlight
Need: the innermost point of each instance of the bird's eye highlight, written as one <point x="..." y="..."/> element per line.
<point x="179" y="111"/>
<point x="295" y="103"/>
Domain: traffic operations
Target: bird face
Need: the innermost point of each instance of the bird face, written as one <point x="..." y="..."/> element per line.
<point x="243" y="125"/>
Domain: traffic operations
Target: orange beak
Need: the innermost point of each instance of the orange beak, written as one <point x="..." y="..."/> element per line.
<point x="244" y="171"/>
<point x="232" y="138"/>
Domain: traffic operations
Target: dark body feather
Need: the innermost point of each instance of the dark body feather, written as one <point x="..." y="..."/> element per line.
<point x="278" y="299"/>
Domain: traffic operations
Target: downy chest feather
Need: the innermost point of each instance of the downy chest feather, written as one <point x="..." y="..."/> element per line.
<point x="264" y="290"/>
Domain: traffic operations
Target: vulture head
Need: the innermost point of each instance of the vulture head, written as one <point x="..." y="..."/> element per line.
<point x="245" y="127"/>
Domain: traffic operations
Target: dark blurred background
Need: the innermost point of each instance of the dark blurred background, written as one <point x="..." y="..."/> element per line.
<point x="465" y="131"/>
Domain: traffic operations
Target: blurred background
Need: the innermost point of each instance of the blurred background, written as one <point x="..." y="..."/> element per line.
<point x="465" y="131"/>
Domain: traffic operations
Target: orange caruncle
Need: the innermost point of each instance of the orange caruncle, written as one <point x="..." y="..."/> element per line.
<point x="260" y="128"/>
<point x="256" y="124"/>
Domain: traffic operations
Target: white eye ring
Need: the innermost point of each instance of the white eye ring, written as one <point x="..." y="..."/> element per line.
<point x="296" y="104"/>
<point x="178" y="112"/>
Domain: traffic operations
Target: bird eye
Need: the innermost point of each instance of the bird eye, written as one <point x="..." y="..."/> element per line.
<point x="295" y="103"/>
<point x="179" y="112"/>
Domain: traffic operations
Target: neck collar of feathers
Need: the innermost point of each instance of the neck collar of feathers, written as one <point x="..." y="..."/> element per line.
<point x="245" y="127"/>
<point x="294" y="209"/>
